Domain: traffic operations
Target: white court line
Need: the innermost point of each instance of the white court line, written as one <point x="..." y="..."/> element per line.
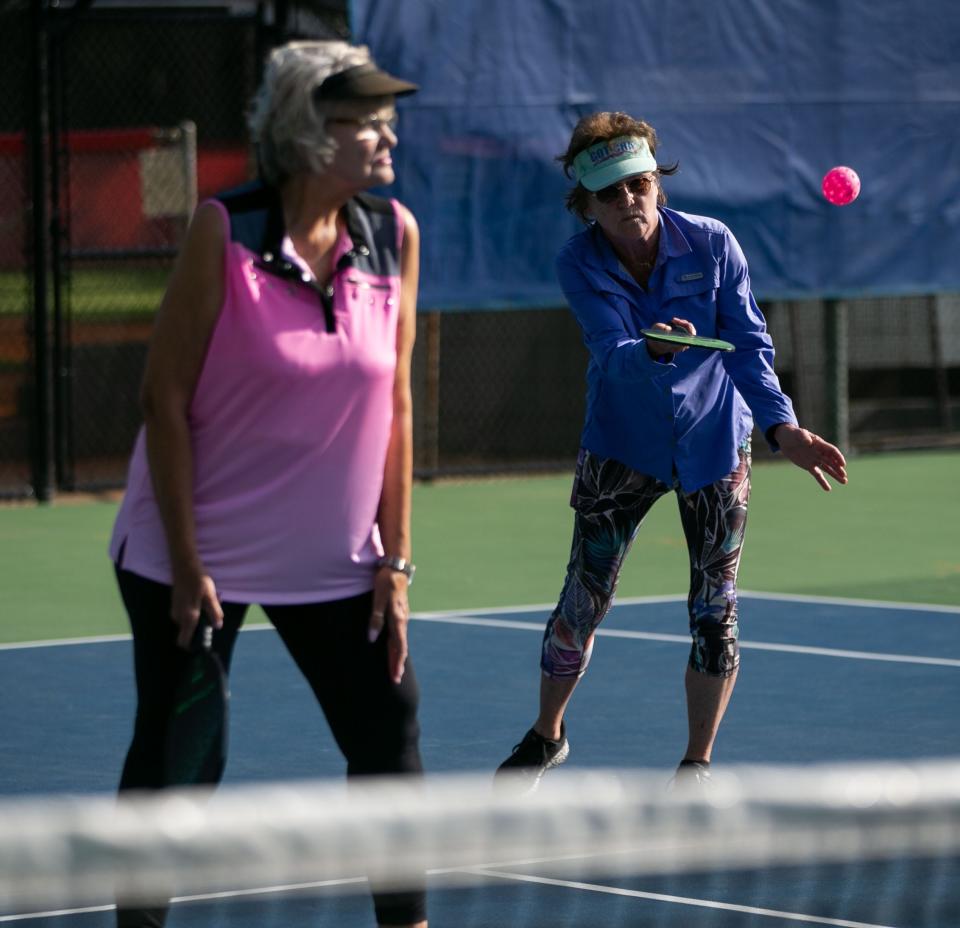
<point x="549" y="607"/>
<point x="57" y="642"/>
<point x="685" y="639"/>
<point x="741" y="594"/>
<point x="56" y="913"/>
<point x="679" y="900"/>
<point x="480" y="870"/>
<point x="865" y="603"/>
<point x="439" y="615"/>
<point x="199" y="897"/>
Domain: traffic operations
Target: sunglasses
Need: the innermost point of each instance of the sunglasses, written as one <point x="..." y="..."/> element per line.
<point x="639" y="186"/>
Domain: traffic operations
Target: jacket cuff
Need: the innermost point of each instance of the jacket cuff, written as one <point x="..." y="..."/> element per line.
<point x="768" y="434"/>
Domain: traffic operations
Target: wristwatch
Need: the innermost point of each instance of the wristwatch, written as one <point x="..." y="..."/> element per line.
<point x="400" y="564"/>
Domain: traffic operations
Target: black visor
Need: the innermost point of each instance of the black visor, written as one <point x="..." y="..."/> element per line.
<point x="363" y="80"/>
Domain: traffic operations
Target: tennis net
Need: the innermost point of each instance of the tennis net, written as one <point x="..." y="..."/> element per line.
<point x="847" y="845"/>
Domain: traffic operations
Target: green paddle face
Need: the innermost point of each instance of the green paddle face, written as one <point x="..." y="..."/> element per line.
<point x="691" y="341"/>
<point x="196" y="746"/>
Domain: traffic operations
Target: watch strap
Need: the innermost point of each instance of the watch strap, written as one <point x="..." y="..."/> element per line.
<point x="400" y="564"/>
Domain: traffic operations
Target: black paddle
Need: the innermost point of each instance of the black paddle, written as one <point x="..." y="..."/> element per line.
<point x="196" y="746"/>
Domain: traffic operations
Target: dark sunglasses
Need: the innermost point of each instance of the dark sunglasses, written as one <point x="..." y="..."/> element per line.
<point x="639" y="186"/>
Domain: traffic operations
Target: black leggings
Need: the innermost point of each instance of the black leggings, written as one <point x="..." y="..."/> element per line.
<point x="373" y="720"/>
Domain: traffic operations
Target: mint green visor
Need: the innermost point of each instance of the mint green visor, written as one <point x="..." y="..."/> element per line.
<point x="609" y="162"/>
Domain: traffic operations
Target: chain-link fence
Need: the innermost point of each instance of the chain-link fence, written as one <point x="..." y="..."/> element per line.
<point x="118" y="117"/>
<point x="874" y="373"/>
<point x="153" y="108"/>
<point x="144" y="113"/>
<point x="502" y="390"/>
<point x="16" y="368"/>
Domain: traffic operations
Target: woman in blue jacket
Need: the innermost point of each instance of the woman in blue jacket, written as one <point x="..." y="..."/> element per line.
<point x="659" y="418"/>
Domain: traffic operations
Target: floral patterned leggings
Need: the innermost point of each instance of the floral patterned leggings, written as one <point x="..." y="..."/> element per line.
<point x="611" y="501"/>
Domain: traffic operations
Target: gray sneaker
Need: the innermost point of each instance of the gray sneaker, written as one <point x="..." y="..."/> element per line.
<point x="531" y="759"/>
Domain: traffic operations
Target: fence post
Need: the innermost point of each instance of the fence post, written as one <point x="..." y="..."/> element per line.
<point x="939" y="362"/>
<point x="431" y="407"/>
<point x="42" y="459"/>
<point x="838" y="372"/>
<point x="801" y="377"/>
<point x="61" y="380"/>
<point x="188" y="155"/>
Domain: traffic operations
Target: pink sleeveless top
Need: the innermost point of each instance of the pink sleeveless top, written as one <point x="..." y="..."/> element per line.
<point x="290" y="421"/>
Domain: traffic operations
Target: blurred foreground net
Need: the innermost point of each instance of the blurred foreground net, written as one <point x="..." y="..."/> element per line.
<point x="840" y="845"/>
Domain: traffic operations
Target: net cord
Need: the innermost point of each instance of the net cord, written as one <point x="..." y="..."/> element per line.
<point x="73" y="850"/>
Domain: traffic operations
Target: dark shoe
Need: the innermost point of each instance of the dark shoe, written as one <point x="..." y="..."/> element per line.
<point x="531" y="759"/>
<point x="691" y="775"/>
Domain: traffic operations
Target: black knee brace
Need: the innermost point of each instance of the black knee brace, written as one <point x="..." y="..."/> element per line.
<point x="715" y="649"/>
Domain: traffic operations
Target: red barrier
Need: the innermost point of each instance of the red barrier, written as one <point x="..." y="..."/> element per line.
<point x="106" y="194"/>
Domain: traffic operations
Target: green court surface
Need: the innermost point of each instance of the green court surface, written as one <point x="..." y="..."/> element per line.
<point x="891" y="534"/>
<point x="117" y="292"/>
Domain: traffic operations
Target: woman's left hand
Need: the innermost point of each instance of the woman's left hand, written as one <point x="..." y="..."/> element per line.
<point x="390" y="608"/>
<point x="812" y="453"/>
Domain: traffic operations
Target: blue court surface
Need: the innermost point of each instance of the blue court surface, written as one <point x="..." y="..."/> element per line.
<point x="820" y="681"/>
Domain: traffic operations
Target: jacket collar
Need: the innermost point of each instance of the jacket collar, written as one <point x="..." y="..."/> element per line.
<point x="600" y="262"/>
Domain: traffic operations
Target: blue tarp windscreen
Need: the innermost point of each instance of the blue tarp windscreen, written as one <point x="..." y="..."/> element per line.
<point x="756" y="99"/>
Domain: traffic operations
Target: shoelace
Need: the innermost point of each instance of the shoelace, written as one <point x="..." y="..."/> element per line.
<point x="533" y="737"/>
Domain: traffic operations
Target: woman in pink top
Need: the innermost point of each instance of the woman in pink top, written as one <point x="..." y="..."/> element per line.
<point x="275" y="462"/>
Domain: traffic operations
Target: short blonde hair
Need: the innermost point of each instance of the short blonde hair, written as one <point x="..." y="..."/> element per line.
<point x="287" y="126"/>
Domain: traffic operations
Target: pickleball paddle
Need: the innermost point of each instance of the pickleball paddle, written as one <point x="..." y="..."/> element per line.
<point x="196" y="744"/>
<point x="691" y="341"/>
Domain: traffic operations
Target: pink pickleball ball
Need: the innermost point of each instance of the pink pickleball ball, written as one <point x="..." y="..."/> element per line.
<point x="841" y="185"/>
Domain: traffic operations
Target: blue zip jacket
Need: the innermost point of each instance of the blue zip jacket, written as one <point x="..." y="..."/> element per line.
<point x="684" y="419"/>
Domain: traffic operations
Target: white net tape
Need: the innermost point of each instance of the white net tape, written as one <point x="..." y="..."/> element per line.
<point x="76" y="850"/>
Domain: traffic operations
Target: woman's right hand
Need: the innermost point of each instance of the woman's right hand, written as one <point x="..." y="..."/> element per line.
<point x="193" y="595"/>
<point x="658" y="349"/>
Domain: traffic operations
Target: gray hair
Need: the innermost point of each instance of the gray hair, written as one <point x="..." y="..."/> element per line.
<point x="287" y="127"/>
